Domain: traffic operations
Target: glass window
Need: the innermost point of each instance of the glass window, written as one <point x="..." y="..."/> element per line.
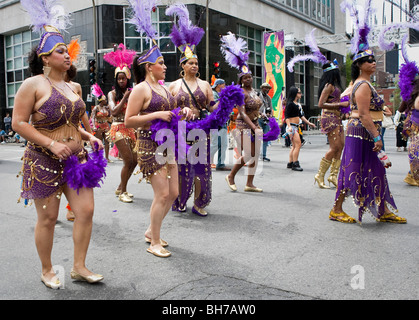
<point x="17" y="48"/>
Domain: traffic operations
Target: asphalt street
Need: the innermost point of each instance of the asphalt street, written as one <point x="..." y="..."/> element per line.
<point x="275" y="245"/>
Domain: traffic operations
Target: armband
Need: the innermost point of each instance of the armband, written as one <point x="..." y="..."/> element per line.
<point x="377" y="138"/>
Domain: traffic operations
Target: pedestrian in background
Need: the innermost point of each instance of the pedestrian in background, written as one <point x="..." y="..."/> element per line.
<point x="265" y="113"/>
<point x="219" y="142"/>
<point x="7" y="122"/>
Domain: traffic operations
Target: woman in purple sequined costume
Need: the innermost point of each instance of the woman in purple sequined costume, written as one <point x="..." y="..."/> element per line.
<point x="194" y="176"/>
<point x="362" y="175"/>
<point x="149" y="101"/>
<point x="331" y="123"/>
<point x="55" y="111"/>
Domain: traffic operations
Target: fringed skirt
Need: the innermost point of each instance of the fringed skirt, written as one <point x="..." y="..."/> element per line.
<point x="118" y="131"/>
<point x="149" y="160"/>
<point x="413" y="150"/>
<point x="329" y="122"/>
<point x="362" y="175"/>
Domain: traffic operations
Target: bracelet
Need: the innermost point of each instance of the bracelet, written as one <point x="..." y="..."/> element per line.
<point x="51" y="144"/>
<point x="377" y="138"/>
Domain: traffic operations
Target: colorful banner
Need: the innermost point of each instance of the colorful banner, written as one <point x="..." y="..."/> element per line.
<point x="274" y="66"/>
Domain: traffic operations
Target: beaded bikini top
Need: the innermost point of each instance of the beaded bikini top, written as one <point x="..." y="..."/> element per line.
<point x="376" y="103"/>
<point x="58" y="111"/>
<point x="335" y="96"/>
<point x="159" y="102"/>
<point x="184" y="99"/>
<point x="252" y="103"/>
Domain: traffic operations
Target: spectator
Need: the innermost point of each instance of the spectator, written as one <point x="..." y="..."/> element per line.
<point x="7" y="122"/>
<point x="3" y="136"/>
<point x="265" y="112"/>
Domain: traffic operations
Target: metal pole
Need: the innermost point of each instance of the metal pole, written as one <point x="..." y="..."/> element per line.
<point x="95" y="38"/>
<point x="207" y="44"/>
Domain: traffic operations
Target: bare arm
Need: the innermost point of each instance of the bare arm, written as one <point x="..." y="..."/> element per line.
<point x="327" y="91"/>
<point x="139" y="100"/>
<point x="116" y="108"/>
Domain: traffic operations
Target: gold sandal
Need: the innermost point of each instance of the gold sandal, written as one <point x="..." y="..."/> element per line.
<point x="391" y="217"/>
<point x="341" y="217"/>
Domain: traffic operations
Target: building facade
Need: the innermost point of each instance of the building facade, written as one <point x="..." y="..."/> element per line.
<point x="247" y="18"/>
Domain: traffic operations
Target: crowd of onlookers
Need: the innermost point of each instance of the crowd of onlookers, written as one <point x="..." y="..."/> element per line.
<point x="7" y="135"/>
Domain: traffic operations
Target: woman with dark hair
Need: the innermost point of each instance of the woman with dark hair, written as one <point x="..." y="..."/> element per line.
<point x="329" y="93"/>
<point x="362" y="173"/>
<point x="124" y="138"/>
<point x="192" y="92"/>
<point x="55" y="146"/>
<point x="247" y="134"/>
<point x="150" y="101"/>
<point x="292" y="119"/>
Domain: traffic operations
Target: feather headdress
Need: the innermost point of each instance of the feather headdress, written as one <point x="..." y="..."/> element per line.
<point x="235" y="52"/>
<point x="384" y="45"/>
<point x="141" y="19"/>
<point x="73" y="50"/>
<point x="48" y="16"/>
<point x="97" y="92"/>
<point x="315" y="56"/>
<point x="121" y="59"/>
<point x="185" y="36"/>
<point x="360" y="18"/>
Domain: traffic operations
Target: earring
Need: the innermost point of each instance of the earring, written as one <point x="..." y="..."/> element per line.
<point x="152" y="77"/>
<point x="46" y="69"/>
<point x="198" y="75"/>
<point x="182" y="74"/>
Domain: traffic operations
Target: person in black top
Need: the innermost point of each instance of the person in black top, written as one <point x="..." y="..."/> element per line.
<point x="292" y="119"/>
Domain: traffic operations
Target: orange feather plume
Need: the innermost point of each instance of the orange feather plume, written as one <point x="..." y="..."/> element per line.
<point x="73" y="50"/>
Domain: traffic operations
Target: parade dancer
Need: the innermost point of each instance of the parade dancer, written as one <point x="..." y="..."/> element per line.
<point x="248" y="134"/>
<point x="196" y="94"/>
<point x="54" y="161"/>
<point x="331" y="117"/>
<point x="362" y="173"/>
<point x="149" y="102"/>
<point x="124" y="138"/>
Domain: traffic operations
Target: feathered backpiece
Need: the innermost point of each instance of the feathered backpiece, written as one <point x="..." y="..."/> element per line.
<point x="141" y="17"/>
<point x="407" y="74"/>
<point x="315" y="56"/>
<point x="235" y="52"/>
<point x="46" y="13"/>
<point x="121" y="59"/>
<point x="360" y="16"/>
<point x="73" y="50"/>
<point x="185" y="36"/>
<point x="97" y="92"/>
<point x="47" y="16"/>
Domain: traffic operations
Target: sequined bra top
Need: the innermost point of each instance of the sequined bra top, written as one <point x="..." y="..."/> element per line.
<point x="184" y="99"/>
<point x="376" y="103"/>
<point x="59" y="111"/>
<point x="252" y="106"/>
<point x="335" y="96"/>
<point x="159" y="103"/>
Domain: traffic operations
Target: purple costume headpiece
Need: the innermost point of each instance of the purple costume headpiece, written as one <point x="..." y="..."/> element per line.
<point x="360" y="17"/>
<point x="141" y="18"/>
<point x="235" y="52"/>
<point x="407" y="74"/>
<point x="315" y="56"/>
<point x="185" y="36"/>
<point x="47" y="16"/>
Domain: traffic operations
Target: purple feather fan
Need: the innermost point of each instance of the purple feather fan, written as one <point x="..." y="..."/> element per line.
<point x="407" y="74"/>
<point x="230" y="96"/>
<point x="234" y="50"/>
<point x="315" y="56"/>
<point x="184" y="32"/>
<point x="173" y="126"/>
<point x="273" y="132"/>
<point x="141" y="17"/>
<point x="347" y="109"/>
<point x="384" y="45"/>
<point x="85" y="175"/>
<point x="46" y="12"/>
